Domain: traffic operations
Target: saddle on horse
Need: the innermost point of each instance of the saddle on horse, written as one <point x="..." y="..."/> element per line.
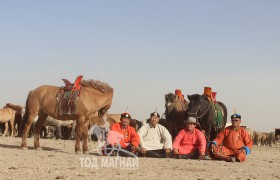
<point x="218" y="112"/>
<point x="68" y="96"/>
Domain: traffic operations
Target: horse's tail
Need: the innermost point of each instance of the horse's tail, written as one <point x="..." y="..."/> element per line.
<point x="25" y="117"/>
<point x="225" y="113"/>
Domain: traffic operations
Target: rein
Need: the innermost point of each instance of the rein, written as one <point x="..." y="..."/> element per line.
<point x="199" y="108"/>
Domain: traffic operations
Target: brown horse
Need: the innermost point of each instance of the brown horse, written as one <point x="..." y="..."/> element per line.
<point x="94" y="96"/>
<point x="6" y="115"/>
<point x="175" y="109"/>
<point x="20" y="110"/>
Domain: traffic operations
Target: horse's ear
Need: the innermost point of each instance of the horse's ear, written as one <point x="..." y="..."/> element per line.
<point x="166" y="97"/>
<point x="205" y="97"/>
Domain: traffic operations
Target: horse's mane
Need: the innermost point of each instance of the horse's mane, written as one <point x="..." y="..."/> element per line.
<point x="96" y="84"/>
<point x="170" y="97"/>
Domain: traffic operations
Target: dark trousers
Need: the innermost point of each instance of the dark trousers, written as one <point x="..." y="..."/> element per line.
<point x="193" y="155"/>
<point x="160" y="153"/>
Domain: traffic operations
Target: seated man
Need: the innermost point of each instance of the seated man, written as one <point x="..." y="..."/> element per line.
<point x="236" y="142"/>
<point x="128" y="142"/>
<point x="155" y="139"/>
<point x="190" y="143"/>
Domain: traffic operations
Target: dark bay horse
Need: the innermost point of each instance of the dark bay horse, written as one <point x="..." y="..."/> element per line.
<point x="175" y="110"/>
<point x="94" y="96"/>
<point x="204" y="111"/>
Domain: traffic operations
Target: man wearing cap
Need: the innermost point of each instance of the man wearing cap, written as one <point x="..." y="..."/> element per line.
<point x="155" y="139"/>
<point x="236" y="142"/>
<point x="130" y="139"/>
<point x="190" y="143"/>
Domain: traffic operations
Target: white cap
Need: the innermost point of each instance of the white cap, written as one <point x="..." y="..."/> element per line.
<point x="191" y="120"/>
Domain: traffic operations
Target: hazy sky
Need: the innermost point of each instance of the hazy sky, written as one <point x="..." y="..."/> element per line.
<point x="146" y="49"/>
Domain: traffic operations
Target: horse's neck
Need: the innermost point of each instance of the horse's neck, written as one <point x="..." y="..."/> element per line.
<point x="207" y="109"/>
<point x="180" y="106"/>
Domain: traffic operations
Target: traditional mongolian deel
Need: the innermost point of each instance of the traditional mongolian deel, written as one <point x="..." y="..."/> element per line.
<point x="129" y="135"/>
<point x="154" y="138"/>
<point x="233" y="141"/>
<point x="188" y="142"/>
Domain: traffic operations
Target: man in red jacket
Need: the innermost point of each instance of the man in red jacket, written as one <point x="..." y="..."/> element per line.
<point x="236" y="142"/>
<point x="129" y="140"/>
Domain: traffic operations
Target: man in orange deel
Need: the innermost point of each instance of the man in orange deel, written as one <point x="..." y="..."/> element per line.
<point x="236" y="142"/>
<point x="129" y="140"/>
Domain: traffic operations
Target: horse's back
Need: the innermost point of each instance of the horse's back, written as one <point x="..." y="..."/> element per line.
<point x="44" y="90"/>
<point x="7" y="114"/>
<point x="115" y="117"/>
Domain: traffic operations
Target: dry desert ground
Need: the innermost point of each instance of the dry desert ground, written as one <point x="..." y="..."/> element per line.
<point x="57" y="160"/>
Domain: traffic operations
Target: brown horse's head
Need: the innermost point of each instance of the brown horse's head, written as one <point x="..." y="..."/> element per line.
<point x="174" y="104"/>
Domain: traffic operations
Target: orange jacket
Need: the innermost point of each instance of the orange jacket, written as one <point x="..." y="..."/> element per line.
<point x="234" y="140"/>
<point x="129" y="133"/>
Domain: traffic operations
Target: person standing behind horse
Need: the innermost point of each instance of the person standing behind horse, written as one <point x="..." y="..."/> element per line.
<point x="155" y="139"/>
<point x="190" y="143"/>
<point x="236" y="142"/>
<point x="130" y="140"/>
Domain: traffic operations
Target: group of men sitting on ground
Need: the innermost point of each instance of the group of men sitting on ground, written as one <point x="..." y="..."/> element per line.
<point x="154" y="140"/>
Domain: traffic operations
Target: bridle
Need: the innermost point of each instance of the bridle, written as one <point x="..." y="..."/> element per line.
<point x="198" y="109"/>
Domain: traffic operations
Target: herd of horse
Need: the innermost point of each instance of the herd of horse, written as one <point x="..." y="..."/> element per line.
<point x="94" y="100"/>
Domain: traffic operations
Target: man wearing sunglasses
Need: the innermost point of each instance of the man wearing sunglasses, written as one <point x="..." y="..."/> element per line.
<point x="236" y="142"/>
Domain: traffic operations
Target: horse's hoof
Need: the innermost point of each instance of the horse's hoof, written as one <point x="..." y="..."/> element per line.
<point x="38" y="149"/>
<point x="23" y="148"/>
<point x="78" y="152"/>
<point x="86" y="152"/>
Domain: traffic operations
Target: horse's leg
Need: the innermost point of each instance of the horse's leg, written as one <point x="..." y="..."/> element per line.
<point x="12" y="126"/>
<point x="58" y="128"/>
<point x="12" y="129"/>
<point x="43" y="133"/>
<point x="73" y="130"/>
<point x="6" y="129"/>
<point x="39" y="124"/>
<point x="26" y="129"/>
<point x="80" y="124"/>
<point x="207" y="133"/>
<point x="85" y="137"/>
<point x="19" y="128"/>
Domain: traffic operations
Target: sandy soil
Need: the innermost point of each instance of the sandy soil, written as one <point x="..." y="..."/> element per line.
<point x="57" y="160"/>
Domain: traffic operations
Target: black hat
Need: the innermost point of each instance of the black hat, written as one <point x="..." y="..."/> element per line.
<point x="235" y="116"/>
<point x="125" y="115"/>
<point x="155" y="114"/>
